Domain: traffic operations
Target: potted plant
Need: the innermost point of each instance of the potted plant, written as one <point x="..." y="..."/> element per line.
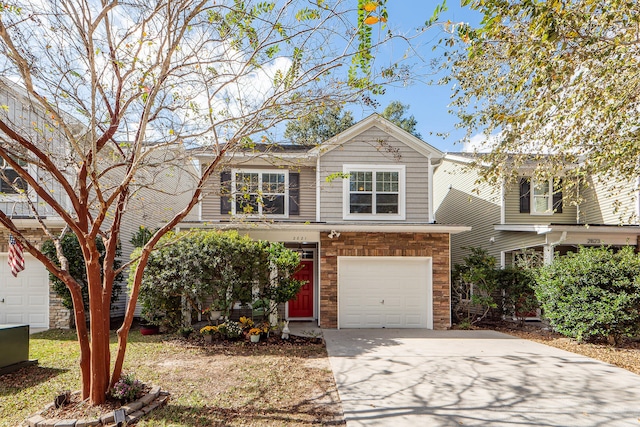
<point x="185" y="331"/>
<point x="149" y="323"/>
<point x="254" y="334"/>
<point x="216" y="310"/>
<point x="208" y="332"/>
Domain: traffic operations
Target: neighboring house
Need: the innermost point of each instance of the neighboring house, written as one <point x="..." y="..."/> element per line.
<point x="359" y="208"/>
<point x="29" y="297"/>
<point x="525" y="214"/>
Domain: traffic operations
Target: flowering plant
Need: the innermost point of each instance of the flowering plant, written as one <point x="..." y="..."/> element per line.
<point x="246" y="322"/>
<point x="127" y="388"/>
<point x="255" y="331"/>
<point x="230" y="329"/>
<point x="209" y="330"/>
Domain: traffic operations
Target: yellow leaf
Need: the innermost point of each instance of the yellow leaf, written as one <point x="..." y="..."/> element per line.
<point x="171" y="132"/>
<point x="371" y="6"/>
<point x="371" y="20"/>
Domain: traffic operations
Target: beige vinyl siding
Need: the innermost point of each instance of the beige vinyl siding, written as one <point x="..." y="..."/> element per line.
<point x="375" y="147"/>
<point x="609" y="202"/>
<point x="513" y="215"/>
<point x="211" y="202"/>
<point x="459" y="200"/>
<point x="153" y="206"/>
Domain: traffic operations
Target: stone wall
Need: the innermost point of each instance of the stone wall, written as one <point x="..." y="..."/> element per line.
<point x="434" y="245"/>
<point x="59" y="316"/>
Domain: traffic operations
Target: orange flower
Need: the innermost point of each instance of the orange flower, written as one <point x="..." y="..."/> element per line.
<point x="371" y="20"/>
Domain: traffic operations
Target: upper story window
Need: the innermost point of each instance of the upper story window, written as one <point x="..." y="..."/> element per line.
<point x="374" y="192"/>
<point x="262" y="193"/>
<point x="10" y="182"/>
<point x="540" y="197"/>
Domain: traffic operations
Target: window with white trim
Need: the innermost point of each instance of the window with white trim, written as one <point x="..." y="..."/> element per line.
<point x="374" y="192"/>
<point x="540" y="197"/>
<point x="260" y="193"/>
<point x="541" y="200"/>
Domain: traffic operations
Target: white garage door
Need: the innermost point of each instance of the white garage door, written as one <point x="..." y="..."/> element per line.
<point x="24" y="299"/>
<point x="384" y="292"/>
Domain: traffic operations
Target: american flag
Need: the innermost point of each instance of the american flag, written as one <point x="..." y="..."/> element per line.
<point x="16" y="260"/>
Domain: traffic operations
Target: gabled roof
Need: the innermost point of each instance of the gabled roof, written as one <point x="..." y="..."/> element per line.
<point x="378" y="121"/>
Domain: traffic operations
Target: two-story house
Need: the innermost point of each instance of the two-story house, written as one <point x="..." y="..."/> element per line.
<point x="526" y="214"/>
<point x="360" y="210"/>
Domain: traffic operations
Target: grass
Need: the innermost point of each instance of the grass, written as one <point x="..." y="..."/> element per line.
<point x="236" y="385"/>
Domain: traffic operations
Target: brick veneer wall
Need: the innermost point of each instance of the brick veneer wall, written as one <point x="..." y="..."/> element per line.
<point x="434" y="245"/>
<point x="59" y="317"/>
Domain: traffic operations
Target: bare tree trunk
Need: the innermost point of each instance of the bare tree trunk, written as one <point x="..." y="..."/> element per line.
<point x="82" y="333"/>
<point x="99" y="333"/>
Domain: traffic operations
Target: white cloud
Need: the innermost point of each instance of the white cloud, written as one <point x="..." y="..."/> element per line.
<point x="480" y="143"/>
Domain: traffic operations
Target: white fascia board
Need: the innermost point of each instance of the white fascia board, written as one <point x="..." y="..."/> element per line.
<point x="339" y="227"/>
<point x="527" y="228"/>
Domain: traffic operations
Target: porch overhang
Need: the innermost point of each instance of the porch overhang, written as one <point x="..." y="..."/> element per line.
<point x="329" y="227"/>
<point x="618" y="235"/>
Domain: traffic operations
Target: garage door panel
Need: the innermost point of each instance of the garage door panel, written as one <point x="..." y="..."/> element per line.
<point x="392" y="292"/>
<point x="26" y="297"/>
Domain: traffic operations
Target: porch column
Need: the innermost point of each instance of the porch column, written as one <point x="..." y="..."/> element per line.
<point x="548" y="254"/>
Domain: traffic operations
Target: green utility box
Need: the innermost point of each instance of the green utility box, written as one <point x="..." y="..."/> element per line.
<point x="14" y="348"/>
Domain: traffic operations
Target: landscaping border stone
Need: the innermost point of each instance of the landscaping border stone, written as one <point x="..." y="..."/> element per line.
<point x="155" y="398"/>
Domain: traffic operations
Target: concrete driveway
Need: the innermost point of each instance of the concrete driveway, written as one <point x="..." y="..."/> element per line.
<point x="395" y="377"/>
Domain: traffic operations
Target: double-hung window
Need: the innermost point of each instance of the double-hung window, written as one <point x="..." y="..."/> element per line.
<point x="260" y="193"/>
<point x="374" y="192"/>
<point x="540" y="197"/>
<point x="541" y="201"/>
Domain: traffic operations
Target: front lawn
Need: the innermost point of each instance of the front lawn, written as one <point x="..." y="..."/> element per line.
<point x="236" y="385"/>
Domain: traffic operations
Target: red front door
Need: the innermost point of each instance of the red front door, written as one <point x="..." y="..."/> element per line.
<point x="302" y="304"/>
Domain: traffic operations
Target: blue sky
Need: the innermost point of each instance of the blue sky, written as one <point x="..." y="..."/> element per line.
<point x="428" y="103"/>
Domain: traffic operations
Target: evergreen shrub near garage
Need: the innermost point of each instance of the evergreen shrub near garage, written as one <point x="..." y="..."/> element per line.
<point x="592" y="294"/>
<point x="73" y="252"/>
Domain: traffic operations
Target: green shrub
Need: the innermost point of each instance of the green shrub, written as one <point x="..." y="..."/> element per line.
<point x="474" y="284"/>
<point x="213" y="268"/>
<point x="517" y="287"/>
<point x="72" y="251"/>
<point x="592" y="294"/>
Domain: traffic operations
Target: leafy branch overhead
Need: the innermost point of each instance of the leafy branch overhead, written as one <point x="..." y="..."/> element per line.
<point x="555" y="78"/>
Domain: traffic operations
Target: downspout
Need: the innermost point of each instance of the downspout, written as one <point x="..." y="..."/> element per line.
<point x="432" y="218"/>
<point x="318" y="253"/>
<point x="503" y="215"/>
<point x="638" y="200"/>
<point x="318" y="188"/>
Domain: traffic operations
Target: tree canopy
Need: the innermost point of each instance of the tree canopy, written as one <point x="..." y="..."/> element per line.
<point x="551" y="77"/>
<point x="396" y="113"/>
<point x="318" y="126"/>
